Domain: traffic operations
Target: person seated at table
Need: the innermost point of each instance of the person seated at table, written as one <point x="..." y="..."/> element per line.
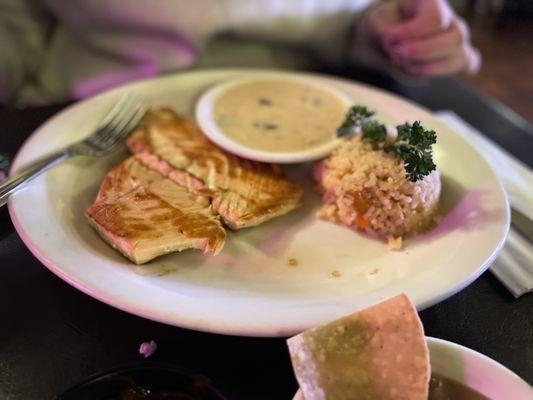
<point x="57" y="50"/>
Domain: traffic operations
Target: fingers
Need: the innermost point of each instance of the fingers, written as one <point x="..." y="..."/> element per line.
<point x="422" y="37"/>
<point x="379" y="18"/>
<point x="428" y="17"/>
<point x="467" y="60"/>
<point x="431" y="48"/>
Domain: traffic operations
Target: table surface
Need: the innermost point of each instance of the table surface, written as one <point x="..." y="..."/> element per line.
<point x="52" y="336"/>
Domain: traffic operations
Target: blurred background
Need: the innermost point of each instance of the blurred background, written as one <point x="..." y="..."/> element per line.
<point x="503" y="31"/>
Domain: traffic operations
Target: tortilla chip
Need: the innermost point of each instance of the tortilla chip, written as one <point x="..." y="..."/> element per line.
<point x="379" y="353"/>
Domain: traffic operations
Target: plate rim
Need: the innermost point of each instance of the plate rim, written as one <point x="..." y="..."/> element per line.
<point x="144" y="365"/>
<point x="252" y="330"/>
<point x="431" y="340"/>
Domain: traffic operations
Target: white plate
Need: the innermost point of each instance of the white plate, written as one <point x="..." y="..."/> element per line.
<point x="204" y="114"/>
<point x="474" y="370"/>
<point x="249" y="289"/>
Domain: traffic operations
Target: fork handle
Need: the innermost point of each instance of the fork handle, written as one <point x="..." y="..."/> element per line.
<point x="15" y="181"/>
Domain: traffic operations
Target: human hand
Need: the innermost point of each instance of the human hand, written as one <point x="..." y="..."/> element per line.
<point x="422" y="37"/>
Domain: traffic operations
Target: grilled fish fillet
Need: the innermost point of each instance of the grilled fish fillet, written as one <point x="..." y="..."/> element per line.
<point x="245" y="193"/>
<point x="144" y="215"/>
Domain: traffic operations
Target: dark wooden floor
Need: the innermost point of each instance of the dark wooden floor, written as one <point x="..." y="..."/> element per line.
<point x="507" y="71"/>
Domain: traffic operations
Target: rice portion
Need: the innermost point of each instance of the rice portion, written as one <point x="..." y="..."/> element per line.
<point x="367" y="189"/>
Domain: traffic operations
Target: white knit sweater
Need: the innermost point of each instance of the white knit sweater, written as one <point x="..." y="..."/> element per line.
<point x="52" y="50"/>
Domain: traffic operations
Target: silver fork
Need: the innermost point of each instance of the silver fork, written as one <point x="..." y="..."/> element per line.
<point x="115" y="126"/>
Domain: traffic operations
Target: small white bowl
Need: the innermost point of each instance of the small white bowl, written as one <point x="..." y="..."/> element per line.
<point x="474" y="370"/>
<point x="204" y="117"/>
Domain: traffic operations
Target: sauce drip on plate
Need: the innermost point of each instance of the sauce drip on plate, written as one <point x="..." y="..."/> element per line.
<point x="279" y="116"/>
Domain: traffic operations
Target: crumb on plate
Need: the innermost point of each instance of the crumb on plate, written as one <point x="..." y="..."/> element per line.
<point x="292" y="262"/>
<point x="395" y="244"/>
<point x="147" y="348"/>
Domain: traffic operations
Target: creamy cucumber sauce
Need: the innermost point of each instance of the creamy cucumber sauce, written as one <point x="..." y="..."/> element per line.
<point x="279" y="116"/>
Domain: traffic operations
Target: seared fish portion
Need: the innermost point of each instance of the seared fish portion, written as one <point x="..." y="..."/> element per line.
<point x="245" y="193"/>
<point x="144" y="215"/>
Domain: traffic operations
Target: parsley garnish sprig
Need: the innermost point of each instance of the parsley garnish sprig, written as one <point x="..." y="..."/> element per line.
<point x="359" y="119"/>
<point x="413" y="144"/>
